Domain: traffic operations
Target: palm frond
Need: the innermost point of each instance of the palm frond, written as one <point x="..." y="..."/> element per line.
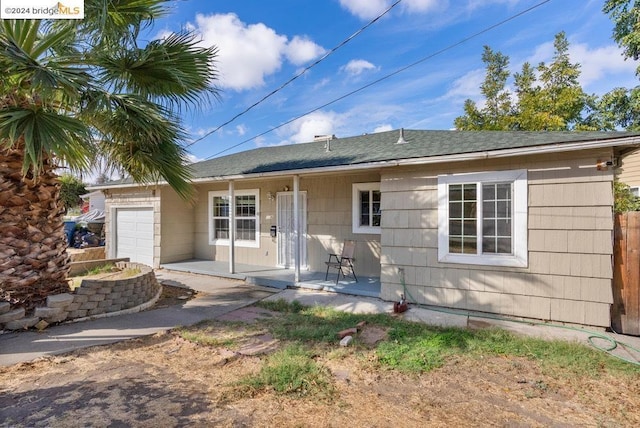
<point x="174" y="69"/>
<point x="31" y="67"/>
<point x="143" y="139"/>
<point x="119" y="20"/>
<point x="46" y="133"/>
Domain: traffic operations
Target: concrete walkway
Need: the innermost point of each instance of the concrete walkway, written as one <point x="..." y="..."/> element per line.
<point x="222" y="296"/>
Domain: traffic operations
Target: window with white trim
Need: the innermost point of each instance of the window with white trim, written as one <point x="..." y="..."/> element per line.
<point x="247" y="220"/>
<point x="482" y="218"/>
<point x="367" y="215"/>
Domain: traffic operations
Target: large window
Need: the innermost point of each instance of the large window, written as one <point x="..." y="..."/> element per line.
<point x="482" y="218"/>
<point x="366" y="208"/>
<point x="247" y="226"/>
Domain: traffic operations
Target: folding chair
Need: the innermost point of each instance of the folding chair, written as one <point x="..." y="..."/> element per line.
<point x="343" y="262"/>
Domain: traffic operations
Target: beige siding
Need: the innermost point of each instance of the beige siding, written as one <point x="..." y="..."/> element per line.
<point x="131" y="198"/>
<point x="629" y="169"/>
<point x="568" y="277"/>
<point x="330" y="222"/>
<point x="177" y="228"/>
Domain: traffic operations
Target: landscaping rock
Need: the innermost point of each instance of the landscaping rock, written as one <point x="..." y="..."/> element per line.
<point x="45" y="312"/>
<point x="12" y="315"/>
<point x="59" y="300"/>
<point x="22" y="324"/>
<point x="346" y="341"/>
<point x="41" y="325"/>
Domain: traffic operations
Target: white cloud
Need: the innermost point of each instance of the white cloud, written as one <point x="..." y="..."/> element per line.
<point x="247" y="53"/>
<point x="356" y="67"/>
<point x="241" y="130"/>
<point x="598" y="63"/>
<point x="322" y="83"/>
<point x="193" y="158"/>
<point x="421" y="6"/>
<point x="304" y="129"/>
<point x="365" y="9"/>
<point x="201" y="132"/>
<point x="383" y="128"/>
<point x="301" y="50"/>
<point x="467" y="86"/>
<point x="369" y="9"/>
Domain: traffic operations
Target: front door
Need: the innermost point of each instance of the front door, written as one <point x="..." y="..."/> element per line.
<point x="286" y="235"/>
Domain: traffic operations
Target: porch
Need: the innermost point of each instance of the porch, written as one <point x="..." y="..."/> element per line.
<point x="279" y="277"/>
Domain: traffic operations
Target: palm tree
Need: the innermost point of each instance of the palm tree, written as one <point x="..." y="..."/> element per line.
<point x="71" y="90"/>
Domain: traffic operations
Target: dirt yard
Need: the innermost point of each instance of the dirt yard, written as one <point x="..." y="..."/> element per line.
<point x="167" y="381"/>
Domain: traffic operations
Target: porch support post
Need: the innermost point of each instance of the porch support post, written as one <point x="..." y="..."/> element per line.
<point x="232" y="228"/>
<point x="296" y="226"/>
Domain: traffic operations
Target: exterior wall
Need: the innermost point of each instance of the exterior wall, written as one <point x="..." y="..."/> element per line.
<point x="131" y="198"/>
<point x="177" y="224"/>
<point x="569" y="273"/>
<point x="96" y="200"/>
<point x="328" y="223"/>
<point x="267" y="253"/>
<point x="629" y="169"/>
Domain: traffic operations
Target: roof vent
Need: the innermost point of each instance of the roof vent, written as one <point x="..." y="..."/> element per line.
<point x="327" y="140"/>
<point x="324" y="137"/>
<point x="401" y="139"/>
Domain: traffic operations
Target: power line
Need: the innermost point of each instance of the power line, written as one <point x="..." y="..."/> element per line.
<point x="341" y="44"/>
<point x="398" y="71"/>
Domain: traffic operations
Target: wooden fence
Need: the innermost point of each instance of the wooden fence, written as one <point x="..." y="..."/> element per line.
<point x="625" y="312"/>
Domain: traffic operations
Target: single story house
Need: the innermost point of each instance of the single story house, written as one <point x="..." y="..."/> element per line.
<point x="512" y="223"/>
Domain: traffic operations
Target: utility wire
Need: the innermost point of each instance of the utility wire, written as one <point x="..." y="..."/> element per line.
<point x="318" y="61"/>
<point x="398" y="71"/>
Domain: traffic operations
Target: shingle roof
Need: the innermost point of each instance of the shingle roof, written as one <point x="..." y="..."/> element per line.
<point x="382" y="147"/>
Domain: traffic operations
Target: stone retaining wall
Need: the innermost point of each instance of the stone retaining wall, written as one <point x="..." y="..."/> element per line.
<point x="94" y="297"/>
<point x="84" y="254"/>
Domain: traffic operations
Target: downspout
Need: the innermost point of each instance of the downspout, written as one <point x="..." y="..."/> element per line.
<point x="232" y="228"/>
<point x="296" y="227"/>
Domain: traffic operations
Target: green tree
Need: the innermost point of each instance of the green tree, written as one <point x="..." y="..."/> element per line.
<point x="626" y="31"/>
<point x="549" y="96"/>
<point x="71" y="187"/>
<point x="496" y="113"/>
<point x="624" y="200"/>
<point x="554" y="101"/>
<point x="70" y="89"/>
<point x="620" y="108"/>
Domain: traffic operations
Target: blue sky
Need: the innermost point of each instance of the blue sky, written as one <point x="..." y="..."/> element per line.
<point x="263" y="44"/>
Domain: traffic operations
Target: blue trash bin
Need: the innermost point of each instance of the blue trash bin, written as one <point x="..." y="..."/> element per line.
<point x="69" y="229"/>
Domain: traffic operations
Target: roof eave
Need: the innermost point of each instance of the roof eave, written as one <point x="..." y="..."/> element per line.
<point x="487" y="154"/>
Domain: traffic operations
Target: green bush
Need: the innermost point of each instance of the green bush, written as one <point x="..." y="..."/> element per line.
<point x="70" y="190"/>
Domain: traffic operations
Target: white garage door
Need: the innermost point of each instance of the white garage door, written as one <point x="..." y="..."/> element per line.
<point x="134" y="234"/>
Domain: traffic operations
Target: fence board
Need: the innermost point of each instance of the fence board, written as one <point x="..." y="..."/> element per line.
<point x="625" y="311"/>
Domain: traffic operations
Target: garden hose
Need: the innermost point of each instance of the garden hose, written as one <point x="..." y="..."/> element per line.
<point x="613" y="343"/>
